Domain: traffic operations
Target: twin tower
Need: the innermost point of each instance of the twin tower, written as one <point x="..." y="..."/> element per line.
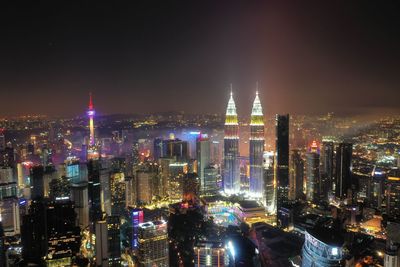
<point x="231" y="174"/>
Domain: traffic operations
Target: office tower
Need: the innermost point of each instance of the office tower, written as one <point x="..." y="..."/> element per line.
<point x="10" y="216"/>
<point x="91" y="112"/>
<point x="101" y="245"/>
<point x="393" y="194"/>
<point x="323" y="247"/>
<point x="327" y="167"/>
<point x="343" y="181"/>
<point x="210" y="253"/>
<point x="177" y="148"/>
<point x="153" y="244"/>
<point x="114" y="240"/>
<point x="145" y="179"/>
<point x="282" y="159"/>
<point x="135" y="154"/>
<point x="72" y="170"/>
<point x="312" y="177"/>
<point x="231" y="177"/>
<point x="378" y="177"/>
<point x="269" y="182"/>
<point x="37" y="182"/>
<point x="296" y="176"/>
<point x="49" y="235"/>
<point x="144" y="185"/>
<point x="165" y="175"/>
<point x="105" y="188"/>
<point x="118" y="193"/>
<point x="177" y="172"/>
<point x="203" y="146"/>
<point x="191" y="186"/>
<point x="256" y="149"/>
<point x="94" y="191"/>
<point x="210" y="186"/>
<point x="79" y="195"/>
<point x="137" y="219"/>
<point x="392" y="251"/>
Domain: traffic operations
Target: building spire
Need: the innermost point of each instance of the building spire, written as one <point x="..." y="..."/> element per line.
<point x="257" y="112"/>
<point x="231" y="114"/>
<point x="90" y="101"/>
<point x="231" y="109"/>
<point x="257" y="89"/>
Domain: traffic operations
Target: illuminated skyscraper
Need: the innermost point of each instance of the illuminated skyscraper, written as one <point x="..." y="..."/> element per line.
<point x="269" y="183"/>
<point x="343" y="170"/>
<point x="312" y="176"/>
<point x="91" y="112"/>
<point x="327" y="167"/>
<point x="203" y="159"/>
<point x="296" y="177"/>
<point x="256" y="149"/>
<point x="231" y="149"/>
<point x="153" y="244"/>
<point x="282" y="159"/>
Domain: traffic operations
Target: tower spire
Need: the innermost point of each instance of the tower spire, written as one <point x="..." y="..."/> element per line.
<point x="90" y="101"/>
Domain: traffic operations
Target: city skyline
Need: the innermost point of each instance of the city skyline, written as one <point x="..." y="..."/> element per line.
<point x="142" y="58"/>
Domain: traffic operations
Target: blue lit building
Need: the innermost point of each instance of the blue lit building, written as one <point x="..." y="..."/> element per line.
<point x="323" y="248"/>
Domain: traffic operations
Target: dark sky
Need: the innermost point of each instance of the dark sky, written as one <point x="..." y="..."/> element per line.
<point x="147" y="56"/>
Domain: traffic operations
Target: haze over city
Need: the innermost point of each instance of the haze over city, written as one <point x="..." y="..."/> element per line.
<point x="146" y="57"/>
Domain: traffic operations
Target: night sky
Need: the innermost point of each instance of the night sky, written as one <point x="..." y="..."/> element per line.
<point x="147" y="56"/>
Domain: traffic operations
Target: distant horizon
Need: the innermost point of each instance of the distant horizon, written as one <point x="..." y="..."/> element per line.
<point x="392" y="112"/>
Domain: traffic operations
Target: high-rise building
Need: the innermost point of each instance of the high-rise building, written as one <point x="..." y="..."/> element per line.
<point x="49" y="235"/>
<point x="210" y="186"/>
<point x="203" y="146"/>
<point x="101" y="245"/>
<point x="269" y="182"/>
<point x="210" y="253"/>
<point x="79" y="195"/>
<point x="392" y="251"/>
<point x="312" y="177"/>
<point x="323" y="247"/>
<point x="231" y="177"/>
<point x="137" y="219"/>
<point x="296" y="176"/>
<point x="378" y="178"/>
<point x="37" y="182"/>
<point x="327" y="167"/>
<point x="282" y="159"/>
<point x="145" y="182"/>
<point x="177" y="172"/>
<point x="153" y="244"/>
<point x="114" y="240"/>
<point x="94" y="191"/>
<point x="10" y="216"/>
<point x="256" y="149"/>
<point x="177" y="148"/>
<point x="393" y="194"/>
<point x="343" y="179"/>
